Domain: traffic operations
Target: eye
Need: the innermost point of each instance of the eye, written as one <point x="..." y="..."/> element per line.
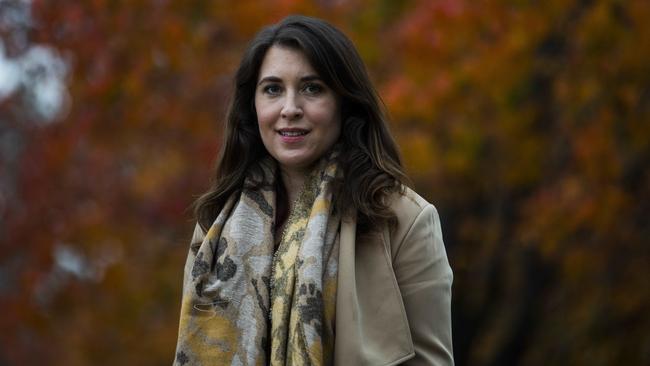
<point x="313" y="88"/>
<point x="272" y="89"/>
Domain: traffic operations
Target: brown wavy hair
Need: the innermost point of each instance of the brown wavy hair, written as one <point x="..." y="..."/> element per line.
<point x="370" y="160"/>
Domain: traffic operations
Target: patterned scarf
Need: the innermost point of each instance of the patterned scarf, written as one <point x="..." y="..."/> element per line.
<point x="242" y="303"/>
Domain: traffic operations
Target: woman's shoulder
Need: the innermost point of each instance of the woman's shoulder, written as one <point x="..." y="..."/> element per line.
<point x="412" y="212"/>
<point x="407" y="205"/>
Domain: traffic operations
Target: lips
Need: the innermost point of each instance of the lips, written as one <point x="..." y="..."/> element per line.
<point x="292" y="135"/>
<point x="292" y="132"/>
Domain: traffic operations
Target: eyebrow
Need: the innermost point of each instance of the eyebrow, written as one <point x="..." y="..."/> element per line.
<point x="275" y="79"/>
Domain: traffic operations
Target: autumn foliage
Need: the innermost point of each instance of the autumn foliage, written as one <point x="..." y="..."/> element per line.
<point x="525" y="122"/>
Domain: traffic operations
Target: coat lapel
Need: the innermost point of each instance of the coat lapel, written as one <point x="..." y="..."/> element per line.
<point x="371" y="323"/>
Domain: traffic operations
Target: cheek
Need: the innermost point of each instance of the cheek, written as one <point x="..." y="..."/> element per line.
<point x="335" y="121"/>
<point x="264" y="114"/>
<point x="327" y="114"/>
<point x="330" y="127"/>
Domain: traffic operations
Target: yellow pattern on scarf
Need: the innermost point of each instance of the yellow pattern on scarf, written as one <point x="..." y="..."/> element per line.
<point x="288" y="343"/>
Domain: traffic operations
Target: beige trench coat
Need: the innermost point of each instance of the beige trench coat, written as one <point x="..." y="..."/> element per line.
<point x="394" y="291"/>
<point x="393" y="302"/>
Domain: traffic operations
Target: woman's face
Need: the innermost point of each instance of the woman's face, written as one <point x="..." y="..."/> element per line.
<point x="297" y="113"/>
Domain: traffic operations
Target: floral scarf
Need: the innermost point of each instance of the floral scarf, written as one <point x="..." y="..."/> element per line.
<point x="245" y="303"/>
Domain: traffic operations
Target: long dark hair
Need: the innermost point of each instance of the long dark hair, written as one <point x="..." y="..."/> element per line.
<point x="370" y="159"/>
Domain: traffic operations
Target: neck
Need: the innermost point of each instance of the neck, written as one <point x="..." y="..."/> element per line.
<point x="293" y="182"/>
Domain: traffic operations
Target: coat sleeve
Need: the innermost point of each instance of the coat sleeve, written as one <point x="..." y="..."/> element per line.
<point x="424" y="277"/>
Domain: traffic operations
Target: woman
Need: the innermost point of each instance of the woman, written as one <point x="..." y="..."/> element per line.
<point x="309" y="249"/>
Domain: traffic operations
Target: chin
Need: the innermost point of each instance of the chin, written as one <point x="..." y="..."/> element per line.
<point x="297" y="163"/>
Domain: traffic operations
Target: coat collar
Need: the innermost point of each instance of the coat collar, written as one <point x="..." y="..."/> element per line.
<point x="371" y="323"/>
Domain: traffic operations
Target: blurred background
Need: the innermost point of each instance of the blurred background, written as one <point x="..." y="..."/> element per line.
<point x="525" y="122"/>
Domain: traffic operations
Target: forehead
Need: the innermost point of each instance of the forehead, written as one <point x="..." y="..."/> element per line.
<point x="283" y="61"/>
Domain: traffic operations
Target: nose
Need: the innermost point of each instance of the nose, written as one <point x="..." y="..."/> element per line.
<point x="292" y="109"/>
